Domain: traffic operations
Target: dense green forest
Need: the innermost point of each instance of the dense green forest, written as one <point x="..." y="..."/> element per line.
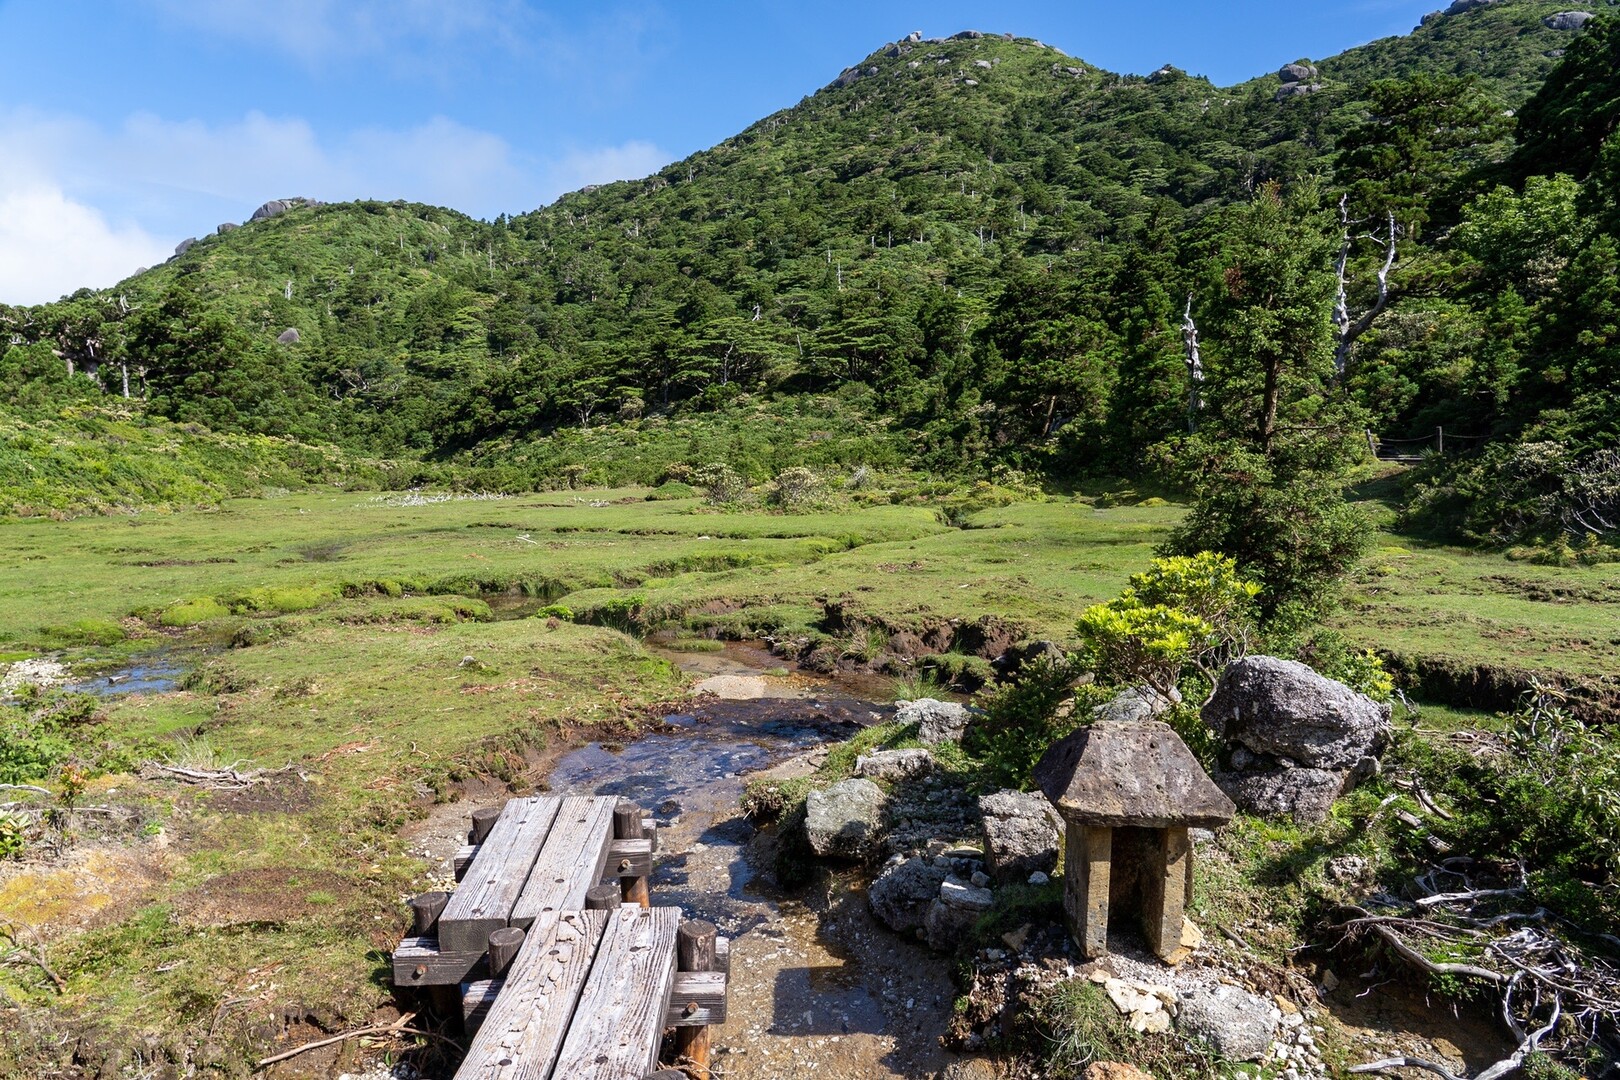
<point x="966" y="254"/>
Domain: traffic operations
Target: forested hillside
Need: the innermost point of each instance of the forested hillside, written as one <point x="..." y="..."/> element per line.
<point x="963" y="253"/>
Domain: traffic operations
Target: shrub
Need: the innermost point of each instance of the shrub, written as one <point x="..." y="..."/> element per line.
<point x="86" y="632"/>
<point x="672" y="489"/>
<point x="795" y="488"/>
<point x="30" y="747"/>
<point x="13" y="834"/>
<point x="720" y="484"/>
<point x="191" y="612"/>
<point x="556" y="611"/>
<point x="1026" y="716"/>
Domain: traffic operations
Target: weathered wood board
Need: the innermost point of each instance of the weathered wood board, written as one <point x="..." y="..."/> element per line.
<point x="497" y="875"/>
<point x="525" y="1028"/>
<point x="621" y="1012"/>
<point x="573" y="859"/>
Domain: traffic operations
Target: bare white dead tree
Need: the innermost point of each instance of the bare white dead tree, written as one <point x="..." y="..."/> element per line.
<point x="1195" y="365"/>
<point x="1347" y="328"/>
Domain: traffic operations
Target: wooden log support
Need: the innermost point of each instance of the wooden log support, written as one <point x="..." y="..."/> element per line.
<point x="628" y="824"/>
<point x="483" y="820"/>
<point x="695" y="954"/>
<point x="603" y="898"/>
<point x="477" y="998"/>
<point x="503" y="946"/>
<point x="425" y="911"/>
<point x="666" y="1074"/>
<point x="462" y="859"/>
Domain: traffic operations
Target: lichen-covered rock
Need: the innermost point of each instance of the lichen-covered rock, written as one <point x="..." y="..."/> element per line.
<point x="901" y="895"/>
<point x="894" y="765"/>
<point x="1297" y="73"/>
<point x="843" y="821"/>
<point x="1236" y="1023"/>
<point x="1459" y="7"/>
<point x="1305" y="795"/>
<point x="937" y="721"/>
<point x="289" y="336"/>
<point x="1283" y="708"/>
<point x="1020" y="837"/>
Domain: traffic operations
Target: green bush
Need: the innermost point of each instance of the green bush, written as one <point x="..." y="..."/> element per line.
<point x="191" y="612"/>
<point x="1026" y="716"/>
<point x="30" y="747"/>
<point x="282" y="600"/>
<point x="556" y="611"/>
<point x="672" y="489"/>
<point x="86" y="632"/>
<point x="13" y="834"/>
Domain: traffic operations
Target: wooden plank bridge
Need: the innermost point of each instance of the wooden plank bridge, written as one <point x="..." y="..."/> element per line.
<point x="552" y="955"/>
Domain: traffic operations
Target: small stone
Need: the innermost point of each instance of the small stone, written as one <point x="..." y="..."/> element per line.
<point x="1015" y="939"/>
<point x="980" y="879"/>
<point x="1038" y="878"/>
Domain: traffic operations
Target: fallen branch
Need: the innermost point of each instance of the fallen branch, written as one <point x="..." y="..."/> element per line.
<point x="228" y="778"/>
<point x="398" y="1027"/>
<point x="1406" y="1063"/>
<point x="25" y="955"/>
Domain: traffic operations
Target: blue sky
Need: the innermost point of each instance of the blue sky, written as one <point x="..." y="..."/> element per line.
<point x="129" y="125"/>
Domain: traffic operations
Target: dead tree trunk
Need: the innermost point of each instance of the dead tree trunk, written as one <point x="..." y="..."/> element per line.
<point x="1195" y="366"/>
<point x="1347" y="329"/>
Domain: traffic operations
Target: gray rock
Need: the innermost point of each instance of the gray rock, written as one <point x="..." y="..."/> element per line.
<point x="914" y="37"/>
<point x="185" y="245"/>
<point x="980" y="879"/>
<point x="1568" y="20"/>
<point x="1137" y="703"/>
<point x="944" y="926"/>
<point x="1293" y="90"/>
<point x="987" y="65"/>
<point x="937" y="721"/>
<point x="965" y="897"/>
<point x="289" y="336"/>
<point x="1236" y="1023"/>
<point x="1305" y="795"/>
<point x="229" y="226"/>
<point x="967" y="35"/>
<point x="271" y="209"/>
<point x="1297" y="73"/>
<point x="901" y="895"/>
<point x="893" y="765"/>
<point x="1020" y="837"/>
<point x="1282" y="707"/>
<point x="843" y="820"/>
<point x="1458" y="7"/>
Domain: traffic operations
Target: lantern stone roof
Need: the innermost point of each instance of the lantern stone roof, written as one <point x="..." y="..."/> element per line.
<point x="1119" y="773"/>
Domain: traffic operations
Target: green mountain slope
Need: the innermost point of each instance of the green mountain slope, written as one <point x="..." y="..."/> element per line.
<point x="991" y="240"/>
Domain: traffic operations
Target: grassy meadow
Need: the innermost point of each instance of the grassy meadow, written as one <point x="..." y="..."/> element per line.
<point x="391" y="648"/>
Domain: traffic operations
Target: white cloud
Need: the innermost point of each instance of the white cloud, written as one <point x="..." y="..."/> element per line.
<point x="65" y="178"/>
<point x="51" y="246"/>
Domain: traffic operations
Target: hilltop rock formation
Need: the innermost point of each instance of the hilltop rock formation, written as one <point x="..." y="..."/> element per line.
<point x="1459" y="7"/>
<point x="229" y="226"/>
<point x="1297" y="80"/>
<point x="289" y="336"/>
<point x="184" y="246"/>
<point x="1568" y="20"/>
<point x="277" y="207"/>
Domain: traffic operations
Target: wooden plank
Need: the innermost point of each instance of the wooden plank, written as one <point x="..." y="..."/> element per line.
<point x="420" y="962"/>
<point x="697" y="999"/>
<point x="462" y="859"/>
<point x="477" y="998"/>
<point x="722" y="954"/>
<point x="622" y="1009"/>
<point x="630" y="858"/>
<point x="526" y="1027"/>
<point x="571" y="862"/>
<point x="497" y="875"/>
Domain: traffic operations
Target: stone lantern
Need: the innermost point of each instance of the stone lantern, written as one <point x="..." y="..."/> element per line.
<point x="1128" y="791"/>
